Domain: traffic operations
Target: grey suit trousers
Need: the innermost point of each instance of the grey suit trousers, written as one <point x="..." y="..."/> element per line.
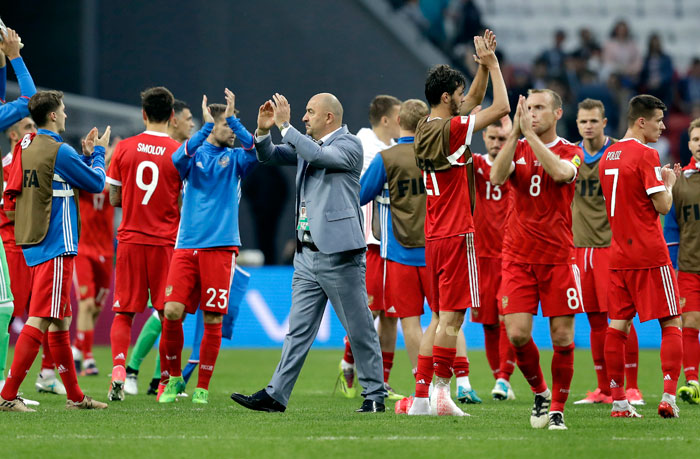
<point x="340" y="278"/>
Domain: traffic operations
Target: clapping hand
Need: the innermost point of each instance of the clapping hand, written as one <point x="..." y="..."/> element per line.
<point x="206" y="114"/>
<point x="283" y="111"/>
<point x="11" y="43"/>
<point x="88" y="142"/>
<point x="485" y="48"/>
<point x="669" y="175"/>
<point x="525" y="116"/>
<point x="104" y="140"/>
<point x="266" y="118"/>
<point x="230" y="103"/>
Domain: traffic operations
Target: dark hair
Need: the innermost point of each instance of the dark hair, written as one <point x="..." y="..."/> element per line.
<point x="157" y="103"/>
<point x="590" y="104"/>
<point x="442" y="79"/>
<point x="643" y="106"/>
<point x="42" y="104"/>
<point x="217" y="110"/>
<point x="179" y="106"/>
<point x="381" y="105"/>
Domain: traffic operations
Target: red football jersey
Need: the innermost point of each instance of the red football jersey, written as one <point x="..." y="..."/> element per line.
<point x="538" y="227"/>
<point x="96" y="224"/>
<point x="448" y="205"/>
<point x="7" y="228"/>
<point x="630" y="172"/>
<point x="490" y="211"/>
<point x="142" y="165"/>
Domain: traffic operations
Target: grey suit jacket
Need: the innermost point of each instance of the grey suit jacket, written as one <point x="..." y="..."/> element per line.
<point x="332" y="184"/>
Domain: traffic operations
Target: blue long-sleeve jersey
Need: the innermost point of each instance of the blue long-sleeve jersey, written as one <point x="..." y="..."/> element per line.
<point x="372" y="184"/>
<point x="71" y="170"/>
<point x="14" y="111"/>
<point x="212" y="188"/>
<point x="672" y="235"/>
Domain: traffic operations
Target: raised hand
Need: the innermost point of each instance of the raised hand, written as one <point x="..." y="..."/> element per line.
<point x="206" y="114"/>
<point x="516" y="120"/>
<point x="485" y="48"/>
<point x="283" y="111"/>
<point x="230" y="103"/>
<point x="11" y="43"/>
<point x="266" y="117"/>
<point x="677" y="169"/>
<point x="668" y="176"/>
<point x="104" y="140"/>
<point x="88" y="143"/>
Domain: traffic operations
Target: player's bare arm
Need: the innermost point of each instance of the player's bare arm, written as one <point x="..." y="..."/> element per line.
<point x="558" y="169"/>
<point x="477" y="90"/>
<point x="500" y="106"/>
<point x="663" y="200"/>
<point x="503" y="165"/>
<point x="115" y="195"/>
<point x="266" y="118"/>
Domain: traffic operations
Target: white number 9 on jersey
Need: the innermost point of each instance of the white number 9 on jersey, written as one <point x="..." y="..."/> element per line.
<point x="150" y="187"/>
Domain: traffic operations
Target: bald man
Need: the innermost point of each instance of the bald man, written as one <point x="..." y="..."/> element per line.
<point x="329" y="263"/>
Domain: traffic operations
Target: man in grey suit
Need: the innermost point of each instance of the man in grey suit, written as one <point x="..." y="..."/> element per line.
<point x="330" y="259"/>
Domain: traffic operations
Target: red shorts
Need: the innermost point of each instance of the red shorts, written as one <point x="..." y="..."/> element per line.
<point x="92" y="277"/>
<point x="20" y="280"/>
<point x="489" y="291"/>
<point x="201" y="275"/>
<point x="454" y="273"/>
<point x="407" y="287"/>
<point x="374" y="278"/>
<point x="593" y="264"/>
<point x="49" y="285"/>
<point x="140" y="269"/>
<point x="556" y="287"/>
<point x="689" y="288"/>
<point x="652" y="293"/>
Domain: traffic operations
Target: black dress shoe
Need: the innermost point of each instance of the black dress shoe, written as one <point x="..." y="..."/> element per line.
<point x="370" y="406"/>
<point x="260" y="401"/>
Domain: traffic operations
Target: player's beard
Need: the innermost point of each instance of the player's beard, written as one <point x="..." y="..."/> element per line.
<point x="454" y="107"/>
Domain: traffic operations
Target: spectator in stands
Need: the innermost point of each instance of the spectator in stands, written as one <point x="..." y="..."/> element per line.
<point x="554" y="57"/>
<point x="657" y="72"/>
<point x="621" y="55"/>
<point x="540" y="74"/>
<point x="587" y="43"/>
<point x="690" y="86"/>
<point x="468" y="21"/>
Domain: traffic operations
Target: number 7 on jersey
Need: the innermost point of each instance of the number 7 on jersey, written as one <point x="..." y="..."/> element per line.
<point x="615" y="174"/>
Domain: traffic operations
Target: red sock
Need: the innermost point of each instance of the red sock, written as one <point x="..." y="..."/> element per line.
<point x="26" y="349"/>
<point x="164" y="364"/>
<point x="79" y="340"/>
<point x="59" y="342"/>
<point x="173" y="340"/>
<point x="387" y="363"/>
<point x="492" y="336"/>
<point x="615" y="362"/>
<point x="88" y="337"/>
<point x="691" y="353"/>
<point x="424" y="375"/>
<point x="460" y="366"/>
<point x="120" y="336"/>
<point x="209" y="351"/>
<point x="47" y="362"/>
<point x="348" y="352"/>
<point x="599" y="327"/>
<point x="443" y="357"/>
<point x="631" y="359"/>
<point x="506" y="355"/>
<point x="671" y="357"/>
<point x="528" y="358"/>
<point x="562" y="374"/>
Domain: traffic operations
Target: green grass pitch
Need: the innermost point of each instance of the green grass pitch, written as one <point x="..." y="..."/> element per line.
<point x="318" y="424"/>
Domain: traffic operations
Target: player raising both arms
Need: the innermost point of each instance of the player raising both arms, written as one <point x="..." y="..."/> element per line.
<point x="538" y="249"/>
<point x="592" y="240"/>
<point x="442" y="153"/>
<point x="145" y="184"/>
<point x="41" y="194"/>
<point x="642" y="280"/>
<point x="682" y="232"/>
<point x="204" y="260"/>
